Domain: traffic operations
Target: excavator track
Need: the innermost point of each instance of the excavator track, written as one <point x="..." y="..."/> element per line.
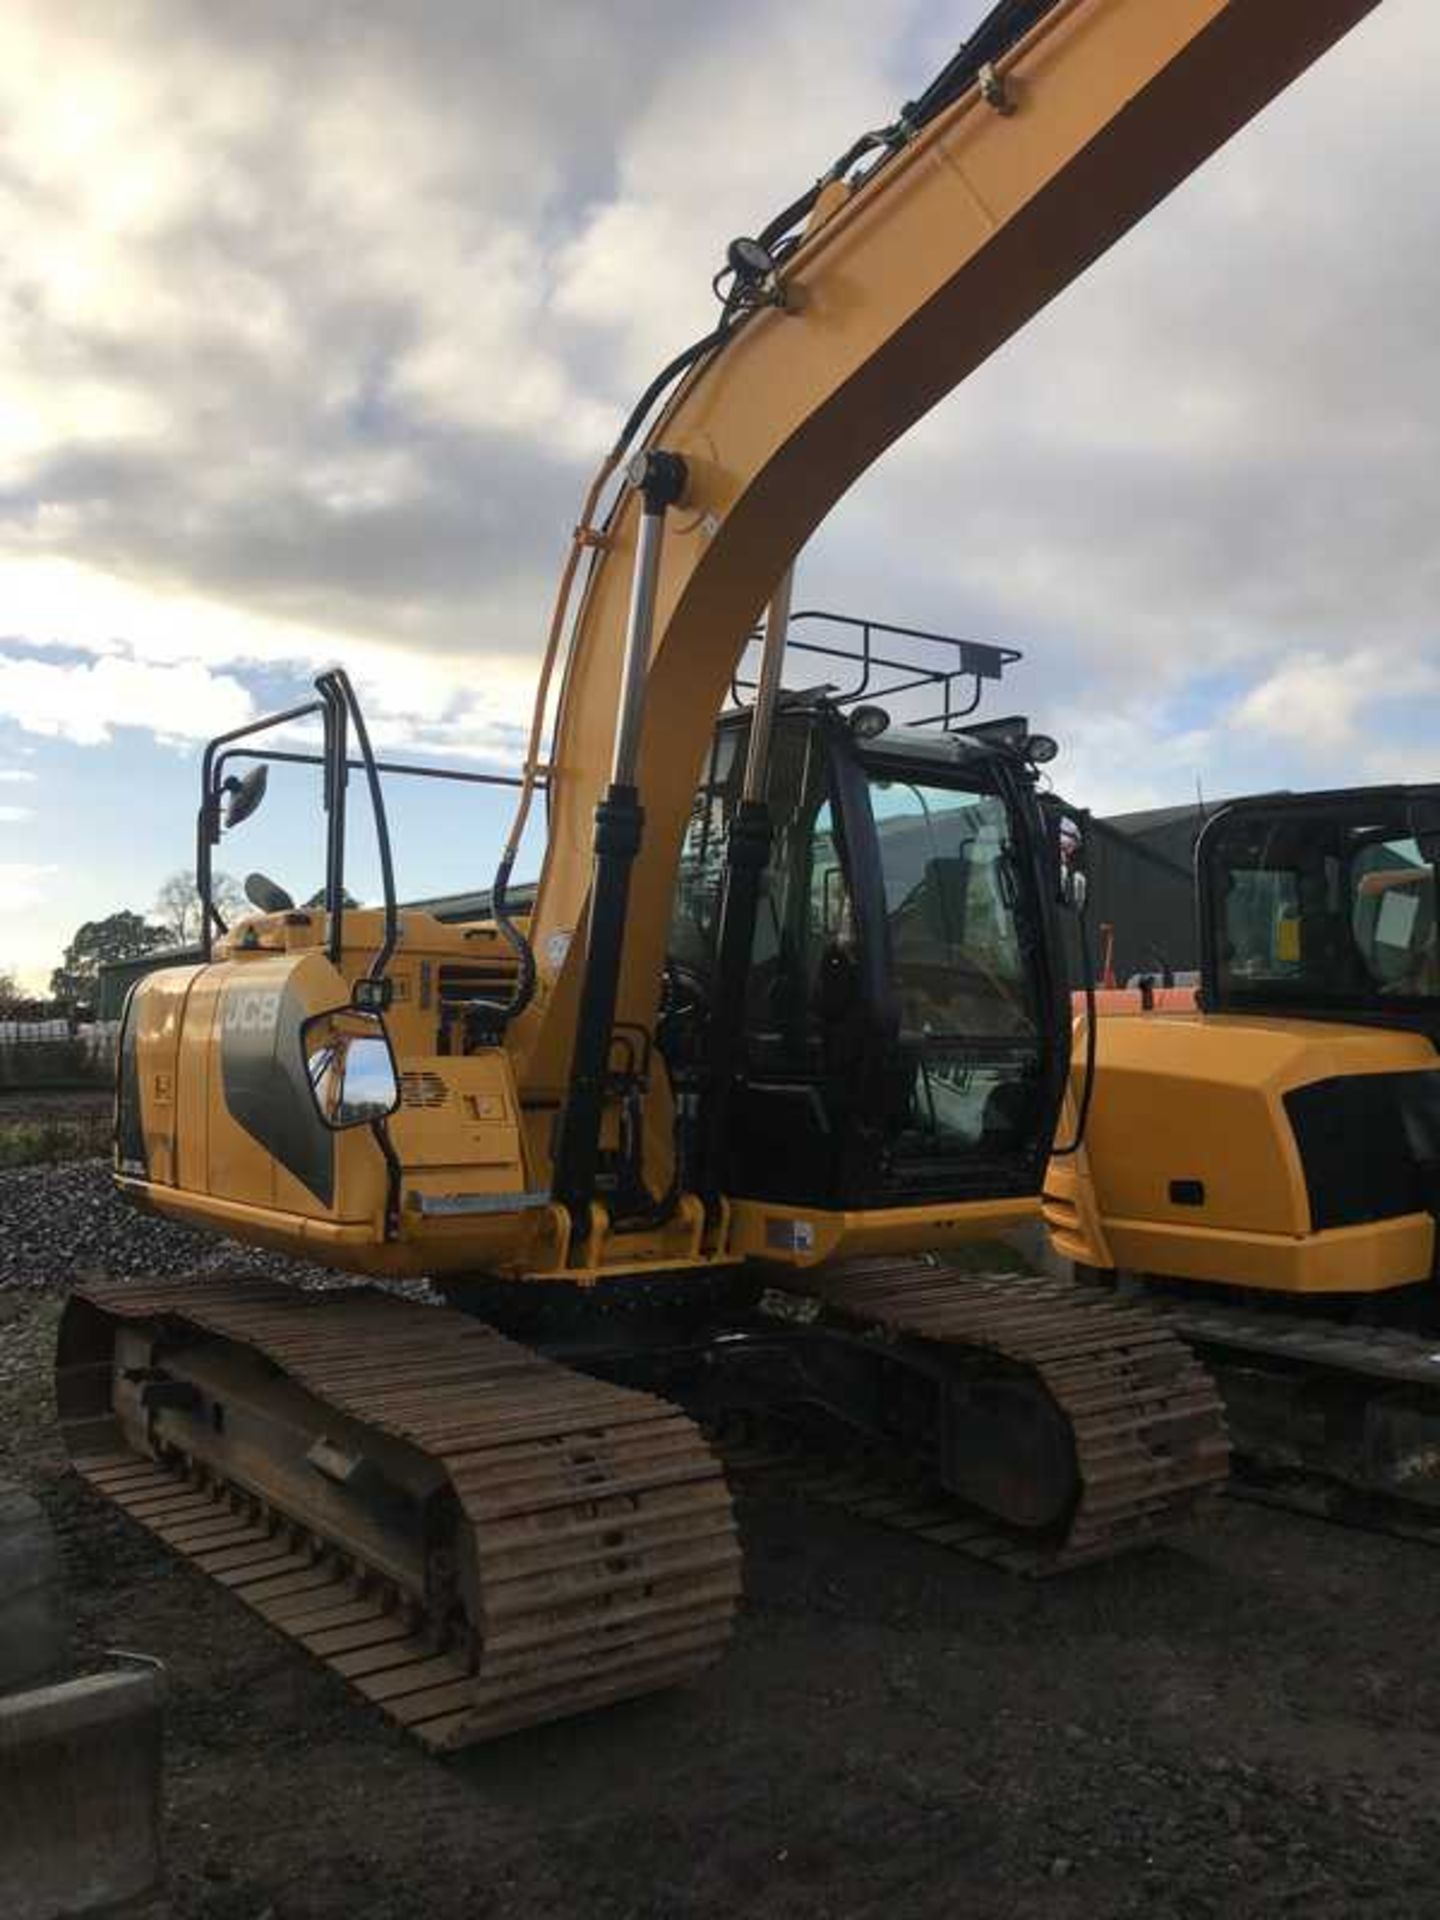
<point x="1336" y="1420"/>
<point x="474" y="1537"/>
<point x="1143" y="1417"/>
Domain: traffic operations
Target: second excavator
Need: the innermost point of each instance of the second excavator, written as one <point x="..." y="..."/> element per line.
<point x="785" y="1027"/>
<point x="1263" y="1169"/>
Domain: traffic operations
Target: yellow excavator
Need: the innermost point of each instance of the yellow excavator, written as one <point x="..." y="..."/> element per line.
<point x="786" y="1023"/>
<point x="1266" y="1168"/>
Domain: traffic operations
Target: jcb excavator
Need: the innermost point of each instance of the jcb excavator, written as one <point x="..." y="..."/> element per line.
<point x="1266" y="1167"/>
<point x="707" y="1120"/>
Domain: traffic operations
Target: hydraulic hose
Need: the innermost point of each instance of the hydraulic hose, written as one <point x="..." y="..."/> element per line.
<point x="583" y="536"/>
<point x="523" y="991"/>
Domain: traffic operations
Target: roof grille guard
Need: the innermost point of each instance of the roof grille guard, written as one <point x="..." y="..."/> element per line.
<point x="885" y="661"/>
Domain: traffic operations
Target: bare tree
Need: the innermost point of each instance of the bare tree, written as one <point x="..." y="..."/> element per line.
<point x="177" y="904"/>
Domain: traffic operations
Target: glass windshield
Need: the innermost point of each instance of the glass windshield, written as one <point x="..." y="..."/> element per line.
<point x="957" y="959"/>
<point x="1334" y="906"/>
<point x="964" y="994"/>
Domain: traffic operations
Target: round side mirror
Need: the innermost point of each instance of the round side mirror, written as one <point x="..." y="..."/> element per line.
<point x="246" y="794"/>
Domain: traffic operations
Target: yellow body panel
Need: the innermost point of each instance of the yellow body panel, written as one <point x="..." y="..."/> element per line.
<point x="193" y="1055"/>
<point x="464" y="1192"/>
<point x="1200" y="1098"/>
<point x="160" y="1014"/>
<point x="357" y="1246"/>
<point x="338" y="1243"/>
<point x="469" y="1198"/>
<point x="1371" y="1258"/>
<point x="809" y="1236"/>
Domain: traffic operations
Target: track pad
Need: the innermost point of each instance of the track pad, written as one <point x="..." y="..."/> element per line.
<point x="1005" y="1445"/>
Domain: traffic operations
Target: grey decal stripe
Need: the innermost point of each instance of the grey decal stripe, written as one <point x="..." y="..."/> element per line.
<point x="266" y="1089"/>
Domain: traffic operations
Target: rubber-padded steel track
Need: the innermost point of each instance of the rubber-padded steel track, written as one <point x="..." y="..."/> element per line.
<point x="1146" y="1420"/>
<point x="1391" y="1356"/>
<point x="600" y="1522"/>
<point x="1333" y="1419"/>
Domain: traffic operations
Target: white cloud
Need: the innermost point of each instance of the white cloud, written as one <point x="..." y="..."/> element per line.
<point x="68" y="602"/>
<point x="15" y="774"/>
<point x="10" y="816"/>
<point x="1110" y="762"/>
<point x="1308" y="698"/>
<point x="85" y="701"/>
<point x="412" y="699"/>
<point x="1326" y="703"/>
<point x="23" y="884"/>
<point x="755" y="130"/>
<point x="29" y="943"/>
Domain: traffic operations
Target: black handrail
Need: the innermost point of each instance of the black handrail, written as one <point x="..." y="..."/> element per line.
<point x="218" y="756"/>
<point x="339" y="710"/>
<point x="381" y="766"/>
<point x="339" y="680"/>
<point x="207" y="832"/>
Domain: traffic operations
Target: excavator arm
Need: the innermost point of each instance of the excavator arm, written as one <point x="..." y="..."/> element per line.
<point x="1069" y="121"/>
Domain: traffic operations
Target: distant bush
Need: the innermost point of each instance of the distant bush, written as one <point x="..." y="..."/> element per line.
<point x="33" y="1143"/>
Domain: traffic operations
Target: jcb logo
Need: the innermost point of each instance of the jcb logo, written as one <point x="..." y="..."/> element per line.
<point x="255" y="1010"/>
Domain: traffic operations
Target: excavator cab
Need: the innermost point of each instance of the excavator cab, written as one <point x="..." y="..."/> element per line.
<point x="906" y="1019"/>
<point x="1322" y="906"/>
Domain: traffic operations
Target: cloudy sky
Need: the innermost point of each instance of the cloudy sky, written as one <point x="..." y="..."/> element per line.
<point x="314" y="319"/>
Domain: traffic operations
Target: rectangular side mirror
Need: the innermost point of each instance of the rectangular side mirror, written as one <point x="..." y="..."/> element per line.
<point x="350" y="1067"/>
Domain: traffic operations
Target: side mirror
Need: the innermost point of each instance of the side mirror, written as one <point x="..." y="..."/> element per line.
<point x="1070" y="860"/>
<point x="350" y="1067"/>
<point x="245" y="794"/>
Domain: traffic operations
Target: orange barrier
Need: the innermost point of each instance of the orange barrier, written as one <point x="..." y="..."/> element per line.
<point x="1130" y="1000"/>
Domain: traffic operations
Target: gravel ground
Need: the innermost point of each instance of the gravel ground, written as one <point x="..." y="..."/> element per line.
<point x="58" y="1224"/>
<point x="1244" y="1723"/>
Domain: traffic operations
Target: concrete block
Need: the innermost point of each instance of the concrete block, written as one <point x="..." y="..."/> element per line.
<point x="33" y="1622"/>
<point x="80" y="1794"/>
